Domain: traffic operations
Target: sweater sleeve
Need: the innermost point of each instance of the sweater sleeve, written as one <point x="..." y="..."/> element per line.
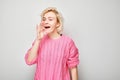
<point x="73" y="58"/>
<point x="26" y="57"/>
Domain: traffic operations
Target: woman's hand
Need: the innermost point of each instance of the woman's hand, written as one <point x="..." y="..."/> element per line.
<point x="40" y="31"/>
<point x="74" y="73"/>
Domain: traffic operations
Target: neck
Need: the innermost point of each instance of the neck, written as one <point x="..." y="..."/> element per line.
<point x="54" y="35"/>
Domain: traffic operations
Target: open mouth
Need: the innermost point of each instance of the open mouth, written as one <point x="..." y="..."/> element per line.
<point x="47" y="27"/>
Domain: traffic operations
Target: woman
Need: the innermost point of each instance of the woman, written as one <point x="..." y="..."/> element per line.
<point x="55" y="54"/>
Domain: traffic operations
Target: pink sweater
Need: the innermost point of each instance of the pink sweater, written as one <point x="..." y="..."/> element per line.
<point x="55" y="57"/>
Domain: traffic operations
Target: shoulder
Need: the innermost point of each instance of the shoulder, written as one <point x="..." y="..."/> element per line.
<point x="67" y="38"/>
<point x="69" y="42"/>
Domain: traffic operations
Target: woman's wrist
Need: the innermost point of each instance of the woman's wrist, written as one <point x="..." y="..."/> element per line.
<point x="37" y="40"/>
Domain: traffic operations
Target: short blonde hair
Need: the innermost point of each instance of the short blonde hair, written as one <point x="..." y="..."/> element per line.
<point x="58" y="16"/>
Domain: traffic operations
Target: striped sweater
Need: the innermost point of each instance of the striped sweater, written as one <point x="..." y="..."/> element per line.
<point x="55" y="58"/>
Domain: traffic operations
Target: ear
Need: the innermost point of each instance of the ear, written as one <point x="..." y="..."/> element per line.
<point x="58" y="24"/>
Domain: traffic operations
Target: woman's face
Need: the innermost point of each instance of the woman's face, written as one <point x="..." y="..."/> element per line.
<point x="49" y="22"/>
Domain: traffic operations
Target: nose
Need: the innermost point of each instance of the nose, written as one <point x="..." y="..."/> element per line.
<point x="46" y="21"/>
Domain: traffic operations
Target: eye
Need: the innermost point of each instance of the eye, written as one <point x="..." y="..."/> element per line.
<point x="43" y="19"/>
<point x="50" y="19"/>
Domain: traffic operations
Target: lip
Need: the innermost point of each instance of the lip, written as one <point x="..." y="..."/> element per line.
<point x="46" y="27"/>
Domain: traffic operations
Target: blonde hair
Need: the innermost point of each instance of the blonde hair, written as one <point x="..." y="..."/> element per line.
<point x="58" y="16"/>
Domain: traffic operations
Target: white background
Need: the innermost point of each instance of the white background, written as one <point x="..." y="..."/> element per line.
<point x="94" y="25"/>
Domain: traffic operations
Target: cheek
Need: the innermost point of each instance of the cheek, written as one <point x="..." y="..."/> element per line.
<point x="54" y="23"/>
<point x="53" y="27"/>
<point x="42" y="22"/>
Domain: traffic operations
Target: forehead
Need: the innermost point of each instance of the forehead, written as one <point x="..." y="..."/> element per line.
<point x="50" y="14"/>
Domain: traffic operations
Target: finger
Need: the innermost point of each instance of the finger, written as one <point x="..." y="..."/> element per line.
<point x="37" y="31"/>
<point x="37" y="27"/>
<point x="42" y="29"/>
<point x="42" y="25"/>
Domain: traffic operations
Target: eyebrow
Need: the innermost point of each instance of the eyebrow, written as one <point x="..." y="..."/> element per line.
<point x="48" y="17"/>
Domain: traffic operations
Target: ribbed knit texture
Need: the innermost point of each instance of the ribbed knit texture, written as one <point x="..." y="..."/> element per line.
<point x="55" y="57"/>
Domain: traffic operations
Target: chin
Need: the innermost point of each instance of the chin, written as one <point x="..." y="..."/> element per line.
<point x="48" y="31"/>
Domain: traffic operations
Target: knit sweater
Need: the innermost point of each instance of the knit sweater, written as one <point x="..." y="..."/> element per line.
<point x="55" y="58"/>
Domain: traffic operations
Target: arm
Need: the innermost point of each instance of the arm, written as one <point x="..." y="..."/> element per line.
<point x="73" y="60"/>
<point x="74" y="73"/>
<point x="32" y="53"/>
